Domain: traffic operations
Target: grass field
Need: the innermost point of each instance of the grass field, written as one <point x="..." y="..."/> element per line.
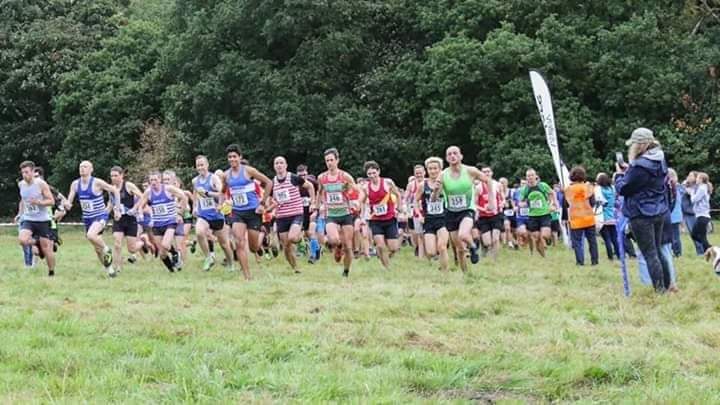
<point x="521" y="330"/>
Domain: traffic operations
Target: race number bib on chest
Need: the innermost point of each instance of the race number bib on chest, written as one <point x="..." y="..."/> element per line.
<point x="31" y="208"/>
<point x="457" y="202"/>
<point x="380" y="210"/>
<point x="159" y="210"/>
<point x="240" y="199"/>
<point x="335" y="198"/>
<point x="536" y="204"/>
<point x="508" y="213"/>
<point x="207" y="203"/>
<point x="282" y="196"/>
<point x="524" y="212"/>
<point x="435" y="207"/>
<point x="86" y="205"/>
<point x="306" y="201"/>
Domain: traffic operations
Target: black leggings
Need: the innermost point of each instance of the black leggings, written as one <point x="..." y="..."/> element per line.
<point x="699" y="232"/>
<point x="609" y="235"/>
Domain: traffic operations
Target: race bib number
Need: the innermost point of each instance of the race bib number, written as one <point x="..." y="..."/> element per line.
<point x="282" y="196"/>
<point x="509" y="213"/>
<point x="207" y="203"/>
<point x="456" y="202"/>
<point x="335" y="198"/>
<point x="435" y="207"/>
<point x="31" y="208"/>
<point x="306" y="201"/>
<point x="159" y="210"/>
<point x="86" y="205"/>
<point x="536" y="204"/>
<point x="240" y="199"/>
<point x="524" y="212"/>
<point x="380" y="210"/>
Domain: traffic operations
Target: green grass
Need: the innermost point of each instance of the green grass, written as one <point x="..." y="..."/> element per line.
<point x="523" y="330"/>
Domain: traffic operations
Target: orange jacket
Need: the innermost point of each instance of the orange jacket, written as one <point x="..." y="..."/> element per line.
<point x="580" y="213"/>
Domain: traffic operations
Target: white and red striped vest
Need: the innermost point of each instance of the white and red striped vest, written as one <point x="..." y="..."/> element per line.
<point x="288" y="197"/>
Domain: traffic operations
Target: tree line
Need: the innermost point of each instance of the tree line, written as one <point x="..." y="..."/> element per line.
<point x="153" y="83"/>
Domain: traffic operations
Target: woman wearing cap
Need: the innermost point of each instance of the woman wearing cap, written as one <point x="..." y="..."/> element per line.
<point x="643" y="186"/>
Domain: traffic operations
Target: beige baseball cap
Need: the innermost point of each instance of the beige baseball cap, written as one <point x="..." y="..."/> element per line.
<point x="640" y="135"/>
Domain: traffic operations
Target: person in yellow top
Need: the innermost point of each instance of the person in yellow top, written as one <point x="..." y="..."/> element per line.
<point x="580" y="197"/>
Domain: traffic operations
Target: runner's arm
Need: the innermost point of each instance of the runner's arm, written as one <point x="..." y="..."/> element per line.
<point x="179" y="194"/>
<point x="71" y="195"/>
<point x="265" y="180"/>
<point x="217" y="184"/>
<point x="394" y="190"/>
<point x="476" y="173"/>
<point x="492" y="194"/>
<point x="109" y="188"/>
<point x="21" y="210"/>
<point x="48" y="200"/>
<point x="352" y="185"/>
<point x="319" y="198"/>
<point x="144" y="200"/>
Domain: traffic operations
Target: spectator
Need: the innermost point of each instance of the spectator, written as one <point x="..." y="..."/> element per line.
<point x="676" y="214"/>
<point x="700" y="197"/>
<point x="687" y="208"/>
<point x="608" y="231"/>
<point x="580" y="199"/>
<point x="642" y="184"/>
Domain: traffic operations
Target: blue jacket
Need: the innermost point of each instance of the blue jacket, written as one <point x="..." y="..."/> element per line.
<point x="644" y="186"/>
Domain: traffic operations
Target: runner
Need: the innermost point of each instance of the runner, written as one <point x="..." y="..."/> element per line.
<point x="36" y="198"/>
<point x="246" y="205"/>
<point x="415" y="220"/>
<point x="555" y="227"/>
<point x="180" y="250"/>
<point x="57" y="211"/>
<point x="163" y="201"/>
<point x="334" y="184"/>
<point x="457" y="182"/>
<point x="144" y="221"/>
<point x="382" y="195"/>
<point x="89" y="191"/>
<point x="289" y="214"/>
<point x="310" y="214"/>
<point x="361" y="215"/>
<point x="521" y="216"/>
<point x="126" y="227"/>
<point x="510" y="223"/>
<point x="489" y="212"/>
<point x="540" y="199"/>
<point x="208" y="196"/>
<point x="432" y="199"/>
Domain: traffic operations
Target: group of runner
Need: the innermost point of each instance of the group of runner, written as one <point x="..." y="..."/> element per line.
<point x="458" y="208"/>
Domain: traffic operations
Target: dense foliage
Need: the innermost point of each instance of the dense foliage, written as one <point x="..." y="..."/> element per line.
<point x="395" y="81"/>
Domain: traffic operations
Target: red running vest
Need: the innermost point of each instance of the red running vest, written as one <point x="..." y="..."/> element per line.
<point x="483" y="199"/>
<point x="382" y="206"/>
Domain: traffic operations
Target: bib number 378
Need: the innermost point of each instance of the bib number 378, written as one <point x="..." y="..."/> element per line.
<point x="456" y="202"/>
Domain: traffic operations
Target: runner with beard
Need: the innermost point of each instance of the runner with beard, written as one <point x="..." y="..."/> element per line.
<point x="457" y="182"/>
